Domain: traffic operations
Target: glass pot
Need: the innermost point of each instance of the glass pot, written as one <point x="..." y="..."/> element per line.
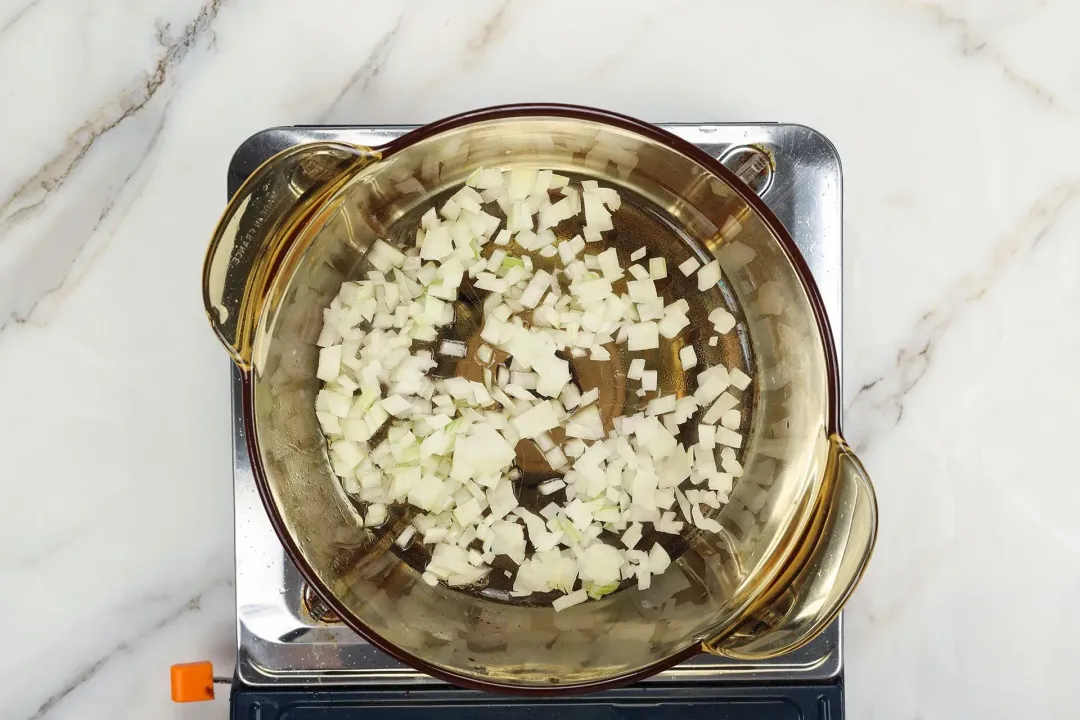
<point x="800" y="524"/>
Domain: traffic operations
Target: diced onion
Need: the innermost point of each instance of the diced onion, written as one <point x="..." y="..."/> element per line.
<point x="731" y="419"/>
<point x="539" y="419"/>
<point x="643" y="336"/>
<point x="739" y="379"/>
<point x="399" y="434"/>
<point x="689" y="266"/>
<point x="688" y="357"/>
<point x="551" y="486"/>
<point x="575" y="598"/>
<point x="657" y="268"/>
<point x="632" y="536"/>
<point x="452" y="348"/>
<point x="405" y="536"/>
<point x="329" y="363"/>
<point x="722" y="321"/>
<point x="708" y="276"/>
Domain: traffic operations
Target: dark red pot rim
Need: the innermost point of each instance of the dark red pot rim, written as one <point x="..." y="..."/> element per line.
<point x="641" y="128"/>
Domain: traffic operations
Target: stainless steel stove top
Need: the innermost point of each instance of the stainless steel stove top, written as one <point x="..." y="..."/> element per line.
<point x="280" y="639"/>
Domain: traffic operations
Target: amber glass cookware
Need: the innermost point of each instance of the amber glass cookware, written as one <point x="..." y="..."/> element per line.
<point x="801" y="522"/>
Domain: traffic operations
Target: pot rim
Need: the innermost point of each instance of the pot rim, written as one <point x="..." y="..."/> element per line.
<point x="677" y="144"/>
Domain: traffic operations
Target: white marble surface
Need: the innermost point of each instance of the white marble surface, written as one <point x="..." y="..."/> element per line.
<point x="959" y="125"/>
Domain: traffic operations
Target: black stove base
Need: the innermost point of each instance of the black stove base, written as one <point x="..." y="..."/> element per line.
<point x="738" y="702"/>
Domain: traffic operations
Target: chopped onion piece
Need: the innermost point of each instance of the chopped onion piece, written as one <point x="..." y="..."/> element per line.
<point x="672" y="324"/>
<point x="599" y="564"/>
<point x="452" y="348"/>
<point x="684" y="505"/>
<point x="654" y="438"/>
<point x="574" y="448"/>
<point x="396" y="405"/>
<point x="486" y="178"/>
<point x="539" y="419"/>
<point x="687" y="357"/>
<point x="658" y="559"/>
<point x="519" y="183"/>
<point x="405" y="536"/>
<point x="570" y="249"/>
<point x="648" y="380"/>
<point x="643" y="336"/>
<point x="501" y="499"/>
<point x="728" y="437"/>
<point x="575" y="598"/>
<point x="596" y="215"/>
<point x="689" y="266"/>
<point x="519" y="218"/>
<point x="329" y="363"/>
<point x="707" y="436"/>
<point x="721" y="320"/>
<point x="708" y="276"/>
<point x="716" y="379"/>
<point x="542" y="183"/>
<point x="704" y="523"/>
<point x="467" y="512"/>
<point x="739" y="379"/>
<point x="384" y="256"/>
<point x="725" y="402"/>
<point x="535" y="290"/>
<point x="551" y="486"/>
<point x="375" y="515"/>
<point x="586" y="424"/>
<point x="657" y="268"/>
<point x="638" y="254"/>
<point x="641" y="290"/>
<point x="570" y="396"/>
<point x="437" y="244"/>
<point x="661" y="405"/>
<point x="721" y="482"/>
<point x="609" y="264"/>
<point x="731" y="419"/>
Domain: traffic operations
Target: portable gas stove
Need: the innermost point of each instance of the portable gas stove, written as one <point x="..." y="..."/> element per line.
<point x="295" y="660"/>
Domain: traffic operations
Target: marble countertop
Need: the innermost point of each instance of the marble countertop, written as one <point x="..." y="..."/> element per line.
<point x="959" y="126"/>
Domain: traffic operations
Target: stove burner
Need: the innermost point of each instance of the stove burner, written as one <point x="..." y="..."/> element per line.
<point x="288" y="638"/>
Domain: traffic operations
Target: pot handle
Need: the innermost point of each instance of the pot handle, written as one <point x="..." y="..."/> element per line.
<point x="823" y="574"/>
<point x="257" y="234"/>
